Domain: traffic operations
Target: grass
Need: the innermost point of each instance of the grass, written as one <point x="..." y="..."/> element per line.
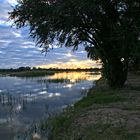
<point x="28" y="73"/>
<point x="99" y="97"/>
<point x="104" y="114"/>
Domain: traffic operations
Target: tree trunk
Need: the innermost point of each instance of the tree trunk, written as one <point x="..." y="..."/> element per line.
<point x="115" y="71"/>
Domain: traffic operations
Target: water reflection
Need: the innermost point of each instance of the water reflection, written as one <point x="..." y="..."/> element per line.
<point x="24" y="101"/>
<point x="74" y="77"/>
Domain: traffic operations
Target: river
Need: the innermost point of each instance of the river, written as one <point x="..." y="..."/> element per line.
<point x="27" y="100"/>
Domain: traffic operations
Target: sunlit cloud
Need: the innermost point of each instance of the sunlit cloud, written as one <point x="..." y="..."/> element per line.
<point x="73" y="63"/>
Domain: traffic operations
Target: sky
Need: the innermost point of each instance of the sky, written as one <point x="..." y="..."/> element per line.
<point x="18" y="49"/>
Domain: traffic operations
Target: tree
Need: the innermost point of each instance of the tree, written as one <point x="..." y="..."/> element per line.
<point x="24" y="68"/>
<point x="134" y="63"/>
<point x="109" y="29"/>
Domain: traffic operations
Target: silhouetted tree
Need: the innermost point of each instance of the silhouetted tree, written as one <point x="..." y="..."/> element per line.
<point x="24" y="69"/>
<point x="109" y="29"/>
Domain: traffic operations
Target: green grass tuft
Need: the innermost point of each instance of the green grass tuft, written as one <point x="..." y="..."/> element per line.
<point x="103" y="97"/>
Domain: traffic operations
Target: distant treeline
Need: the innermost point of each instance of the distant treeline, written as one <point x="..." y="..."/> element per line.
<point x="20" y="69"/>
<point x="16" y="70"/>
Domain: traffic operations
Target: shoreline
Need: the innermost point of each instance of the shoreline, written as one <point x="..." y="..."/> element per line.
<point x="30" y="73"/>
<point x="104" y="114"/>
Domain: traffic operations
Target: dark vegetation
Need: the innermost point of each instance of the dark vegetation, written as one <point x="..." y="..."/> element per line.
<point x="108" y="29"/>
<point x="27" y="71"/>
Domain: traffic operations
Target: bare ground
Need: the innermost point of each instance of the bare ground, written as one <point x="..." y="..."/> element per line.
<point x="111" y="119"/>
<point x="122" y="115"/>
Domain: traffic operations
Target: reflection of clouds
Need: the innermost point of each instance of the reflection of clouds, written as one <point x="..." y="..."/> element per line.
<point x="2" y="120"/>
<point x="68" y="86"/>
<point x="1" y="90"/>
<point x="54" y="95"/>
<point x="28" y="86"/>
<point x="24" y="108"/>
<point x="42" y="92"/>
<point x="40" y="95"/>
<point x="17" y="84"/>
<point x="36" y="136"/>
<point x="18" y="108"/>
<point x="11" y="121"/>
<point x="35" y="90"/>
<point x="83" y="88"/>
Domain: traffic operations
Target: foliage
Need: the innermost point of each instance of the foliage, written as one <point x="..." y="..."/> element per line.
<point x="109" y="30"/>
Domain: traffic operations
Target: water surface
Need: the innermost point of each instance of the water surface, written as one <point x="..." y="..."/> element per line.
<point x="25" y="101"/>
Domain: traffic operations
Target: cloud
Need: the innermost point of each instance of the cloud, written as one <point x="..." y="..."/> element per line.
<point x="12" y="2"/>
<point x="18" y="49"/>
<point x="72" y="63"/>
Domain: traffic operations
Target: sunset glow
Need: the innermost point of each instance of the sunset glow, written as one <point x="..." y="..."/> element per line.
<point x="75" y="76"/>
<point x="73" y="64"/>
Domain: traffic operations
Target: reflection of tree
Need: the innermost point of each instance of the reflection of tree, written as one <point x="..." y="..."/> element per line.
<point x="47" y="81"/>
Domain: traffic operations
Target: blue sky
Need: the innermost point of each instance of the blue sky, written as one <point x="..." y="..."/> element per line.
<point x="17" y="48"/>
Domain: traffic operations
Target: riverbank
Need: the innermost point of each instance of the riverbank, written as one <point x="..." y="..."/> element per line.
<point x="32" y="73"/>
<point x="43" y="72"/>
<point x="104" y="114"/>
